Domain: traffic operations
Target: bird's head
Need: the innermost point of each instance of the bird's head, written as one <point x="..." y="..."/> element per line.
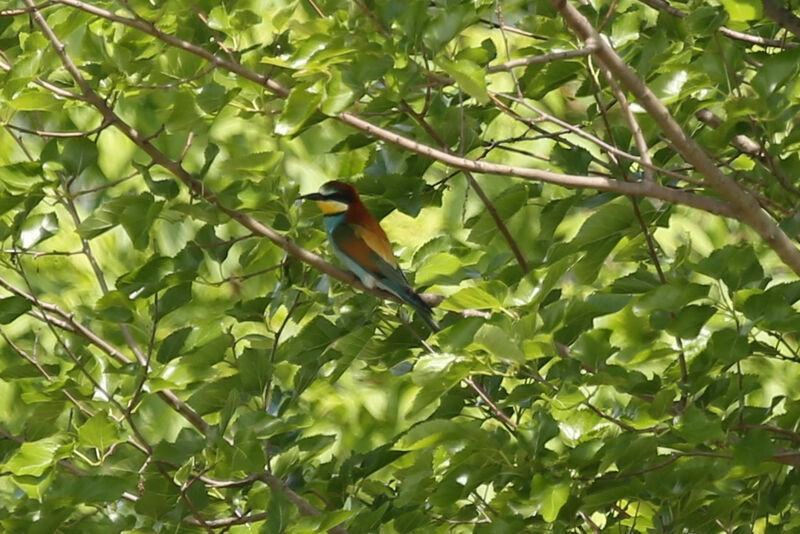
<point x="334" y="197"/>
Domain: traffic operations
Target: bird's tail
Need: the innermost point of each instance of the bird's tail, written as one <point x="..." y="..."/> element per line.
<point x="423" y="310"/>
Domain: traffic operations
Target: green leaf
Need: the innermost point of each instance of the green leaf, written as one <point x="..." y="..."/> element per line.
<point x="776" y="71"/>
<point x="173" y="299"/>
<point x="210" y="353"/>
<point x="255" y="369"/>
<point x="13" y="307"/>
<point x="470" y="298"/>
<point x="728" y="346"/>
<point x="611" y="221"/>
<point x="550" y="496"/>
<point x="497" y="342"/>
<point x="99" y="432"/>
<point x="435" y="431"/>
<point x="35" y="457"/>
<point x="671" y="297"/>
<point x="99" y="222"/>
<point x="146" y="279"/>
<point x="743" y="10"/>
<point x="338" y="95"/>
<point x="23" y="178"/>
<point x="754" y="448"/>
<point x="300" y="105"/>
<point x="137" y="218"/>
<point x="736" y="265"/>
<point x="212" y="98"/>
<point x="668" y="87"/>
<point x="171" y="345"/>
<point x="115" y="307"/>
<point x="37" y="228"/>
<point x="33" y="100"/>
<point x="574" y="160"/>
<point x="445" y="24"/>
<point x="469" y="76"/>
<point x="163" y="188"/>
<point x="690" y="320"/>
<point x="279" y="512"/>
<point x="439" y="268"/>
<point x="78" y="154"/>
<point x="697" y="427"/>
<point x="249" y="310"/>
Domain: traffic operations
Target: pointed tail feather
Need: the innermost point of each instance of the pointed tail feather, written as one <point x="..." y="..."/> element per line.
<point x="401" y="289"/>
<point x="423" y="310"/>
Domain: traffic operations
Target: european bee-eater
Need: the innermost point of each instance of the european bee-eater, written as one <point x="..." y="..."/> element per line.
<point x="361" y="244"/>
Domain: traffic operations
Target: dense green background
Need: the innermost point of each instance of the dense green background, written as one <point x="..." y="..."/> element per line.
<point x="165" y="367"/>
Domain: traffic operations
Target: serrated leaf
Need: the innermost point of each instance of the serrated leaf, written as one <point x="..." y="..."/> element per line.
<point x="23" y="178"/>
<point x="99" y="432"/>
<point x="775" y="71"/>
<point x="549" y="496"/>
<point x="249" y="310"/>
<point x="690" y="320"/>
<point x="671" y="297"/>
<point x="574" y="160"/>
<point x="438" y="268"/>
<point x="212" y="97"/>
<point x="34" y="457"/>
<point x="300" y="105"/>
<point x="338" y="95"/>
<point x="163" y="188"/>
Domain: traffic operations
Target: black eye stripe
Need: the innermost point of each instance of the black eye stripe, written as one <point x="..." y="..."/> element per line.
<point x="337" y="197"/>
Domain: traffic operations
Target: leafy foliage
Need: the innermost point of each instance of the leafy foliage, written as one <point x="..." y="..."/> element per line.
<point x="606" y="361"/>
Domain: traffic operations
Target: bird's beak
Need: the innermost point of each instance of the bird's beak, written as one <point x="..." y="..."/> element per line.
<point x="311" y="196"/>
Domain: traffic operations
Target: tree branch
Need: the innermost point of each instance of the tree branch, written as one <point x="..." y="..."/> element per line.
<point x="587" y="182"/>
<point x="66" y="321"/>
<point x="782" y="16"/>
<point x="747" y="207"/>
<point x="661" y="5"/>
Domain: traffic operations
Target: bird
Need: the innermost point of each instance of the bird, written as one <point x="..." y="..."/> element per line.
<point x="358" y="240"/>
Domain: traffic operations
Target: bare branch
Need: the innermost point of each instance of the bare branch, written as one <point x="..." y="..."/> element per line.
<point x="545" y="58"/>
<point x="475" y="186"/>
<point x="747" y="207"/>
<point x="662" y="5"/>
<point x="782" y="16"/>
<point x="748" y="146"/>
<point x="351" y="119"/>
<point x="46" y="134"/>
<point x="54" y="315"/>
<point x="25" y="10"/>
<point x="633" y="124"/>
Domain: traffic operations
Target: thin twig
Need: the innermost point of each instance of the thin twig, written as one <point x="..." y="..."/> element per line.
<point x="545" y="58"/>
<point x="475" y="186"/>
<point x="46" y="134"/>
<point x="512" y="426"/>
<point x="351" y="119"/>
<point x="747" y="207"/>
